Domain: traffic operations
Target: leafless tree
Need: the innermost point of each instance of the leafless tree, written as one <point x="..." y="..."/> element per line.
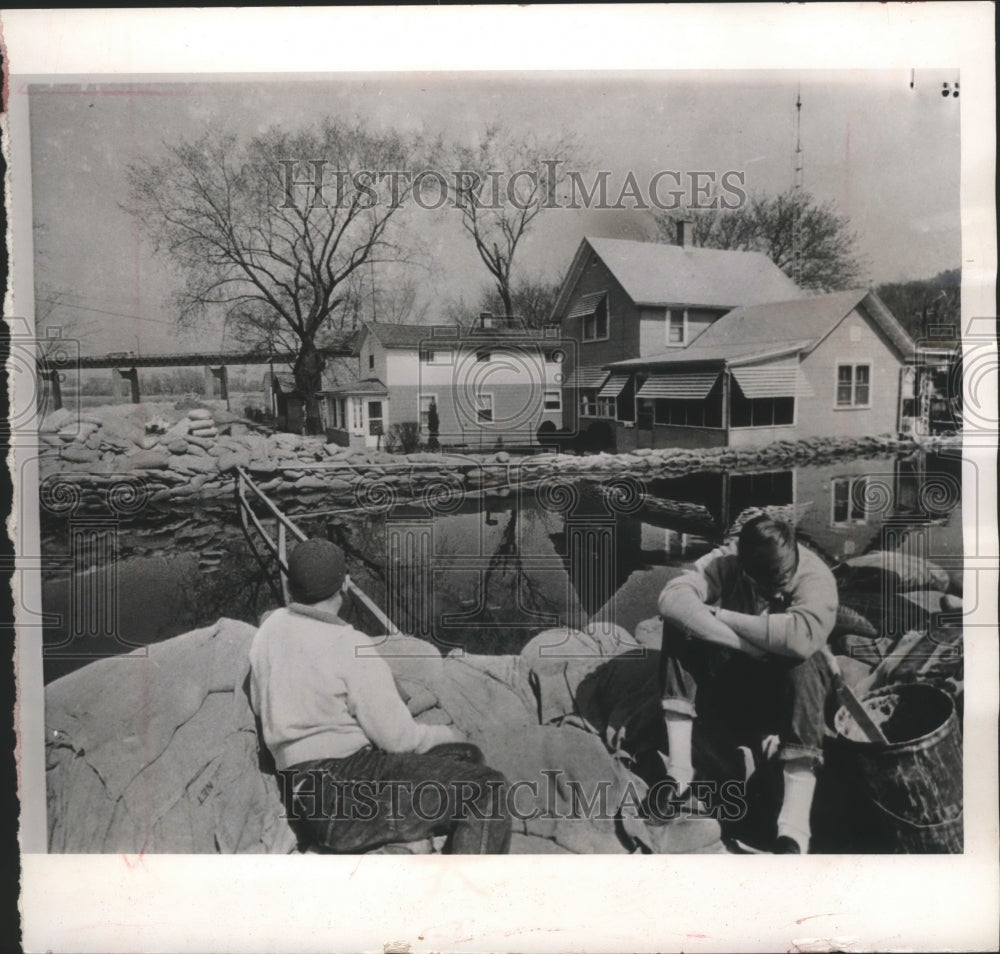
<point x="257" y="239"/>
<point x="501" y="186"/>
<point x="824" y="258"/>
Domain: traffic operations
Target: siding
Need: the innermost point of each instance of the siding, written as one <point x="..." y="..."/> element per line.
<point x="854" y="340"/>
<point x="623" y="330"/>
<point x="517" y="413"/>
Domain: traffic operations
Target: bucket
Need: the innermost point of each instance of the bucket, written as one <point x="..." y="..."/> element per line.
<point x="911" y="788"/>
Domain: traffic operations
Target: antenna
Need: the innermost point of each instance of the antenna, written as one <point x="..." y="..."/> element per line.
<point x="797" y="192"/>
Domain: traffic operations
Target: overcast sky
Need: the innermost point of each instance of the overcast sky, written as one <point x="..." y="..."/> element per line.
<point x="885" y="154"/>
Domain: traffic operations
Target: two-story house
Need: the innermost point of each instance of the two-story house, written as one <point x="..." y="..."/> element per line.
<point x="624" y="299"/>
<point x="492" y="383"/>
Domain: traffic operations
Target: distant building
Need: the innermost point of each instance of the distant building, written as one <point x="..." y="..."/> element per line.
<point x="624" y="299"/>
<point x="493" y="383"/>
<point x="830" y="365"/>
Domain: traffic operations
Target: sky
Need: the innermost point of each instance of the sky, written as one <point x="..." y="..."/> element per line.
<point x="885" y="153"/>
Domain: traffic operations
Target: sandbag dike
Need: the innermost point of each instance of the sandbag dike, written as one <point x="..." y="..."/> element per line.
<point x="132" y="455"/>
<point x="158" y="751"/>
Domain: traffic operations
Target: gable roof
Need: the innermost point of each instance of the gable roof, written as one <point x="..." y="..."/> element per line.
<point x="400" y="336"/>
<point x="656" y="274"/>
<point x="757" y="332"/>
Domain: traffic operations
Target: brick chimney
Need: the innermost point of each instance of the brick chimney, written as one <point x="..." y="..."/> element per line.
<point x="685" y="232"/>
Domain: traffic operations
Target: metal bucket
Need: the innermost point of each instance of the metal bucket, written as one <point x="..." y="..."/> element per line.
<point x="912" y="787"/>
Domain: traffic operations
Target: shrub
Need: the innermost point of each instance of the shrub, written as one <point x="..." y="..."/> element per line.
<point x="403" y="438"/>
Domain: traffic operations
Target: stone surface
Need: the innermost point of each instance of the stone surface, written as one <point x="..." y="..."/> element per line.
<point x="80" y="455"/>
<point x="148" y="460"/>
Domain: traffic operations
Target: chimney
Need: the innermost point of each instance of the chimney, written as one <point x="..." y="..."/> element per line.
<point x="685" y="228"/>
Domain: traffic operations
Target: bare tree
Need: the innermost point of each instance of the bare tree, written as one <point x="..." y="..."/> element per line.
<point x="271" y="231"/>
<point x="531" y="301"/>
<point x="501" y="186"/>
<point x="824" y="258"/>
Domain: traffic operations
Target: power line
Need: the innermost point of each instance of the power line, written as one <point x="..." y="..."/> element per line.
<point x="101" y="311"/>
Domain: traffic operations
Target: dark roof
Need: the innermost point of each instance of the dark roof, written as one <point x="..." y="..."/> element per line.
<point x="657" y="274"/>
<point x="406" y="336"/>
<point x="766" y="331"/>
<point x="365" y="386"/>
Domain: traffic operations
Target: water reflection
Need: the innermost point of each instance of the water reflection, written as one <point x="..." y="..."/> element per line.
<point x="486" y="573"/>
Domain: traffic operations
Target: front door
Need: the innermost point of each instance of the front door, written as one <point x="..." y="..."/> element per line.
<point x="374" y="433"/>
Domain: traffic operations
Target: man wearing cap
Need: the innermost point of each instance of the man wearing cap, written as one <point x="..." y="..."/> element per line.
<point x="741" y="639"/>
<point x="358" y="771"/>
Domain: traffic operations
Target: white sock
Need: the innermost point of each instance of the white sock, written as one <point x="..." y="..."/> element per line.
<point x="678" y="760"/>
<point x="793" y="819"/>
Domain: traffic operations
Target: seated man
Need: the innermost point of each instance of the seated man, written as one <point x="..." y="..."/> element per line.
<point x="741" y="639"/>
<point x="358" y="772"/>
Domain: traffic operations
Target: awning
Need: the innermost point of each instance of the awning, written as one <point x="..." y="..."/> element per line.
<point x="587" y="378"/>
<point x="693" y="386"/>
<point x="614" y="386"/>
<point x="772" y="380"/>
<point x="587" y="305"/>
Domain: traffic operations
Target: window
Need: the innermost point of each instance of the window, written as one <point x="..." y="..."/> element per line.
<point x="374" y="418"/>
<point x="342" y="417"/>
<point x="359" y="415"/>
<point x="371" y="362"/>
<point x="676" y="321"/>
<point x="849" y="500"/>
<point x="553" y="400"/>
<point x="436" y="357"/>
<point x="760" y="412"/>
<point x="484" y="407"/>
<point x="593" y="406"/>
<point x="690" y="412"/>
<point x="595" y="325"/>
<point x="853" y="385"/>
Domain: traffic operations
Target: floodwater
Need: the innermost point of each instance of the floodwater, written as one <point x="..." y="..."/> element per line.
<point x="485" y="573"/>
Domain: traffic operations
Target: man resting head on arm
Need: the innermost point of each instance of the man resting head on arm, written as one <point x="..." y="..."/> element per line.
<point x="741" y="633"/>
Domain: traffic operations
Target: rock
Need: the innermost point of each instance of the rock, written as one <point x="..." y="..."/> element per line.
<point x="81" y="455"/>
<point x="189" y="464"/>
<point x="148" y="460"/>
<point x="56" y="420"/>
<point x="232" y="459"/>
<point x="200" y="414"/>
<point x="310" y="483"/>
<point x="178" y="447"/>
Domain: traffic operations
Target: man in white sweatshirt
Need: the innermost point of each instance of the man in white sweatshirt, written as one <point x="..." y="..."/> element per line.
<point x="358" y="771"/>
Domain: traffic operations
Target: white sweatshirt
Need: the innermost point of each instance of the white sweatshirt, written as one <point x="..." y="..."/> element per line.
<point x="323" y="691"/>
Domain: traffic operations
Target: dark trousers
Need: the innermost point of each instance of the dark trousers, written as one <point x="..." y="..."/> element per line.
<point x="372" y="798"/>
<point x="745" y="699"/>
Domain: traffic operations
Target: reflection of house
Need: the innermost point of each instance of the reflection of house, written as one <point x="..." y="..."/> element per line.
<point x="492" y="383"/>
<point x="830" y="365"/>
<point x="625" y="299"/>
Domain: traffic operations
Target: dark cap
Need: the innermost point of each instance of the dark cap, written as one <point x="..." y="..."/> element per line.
<point x="316" y="570"/>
